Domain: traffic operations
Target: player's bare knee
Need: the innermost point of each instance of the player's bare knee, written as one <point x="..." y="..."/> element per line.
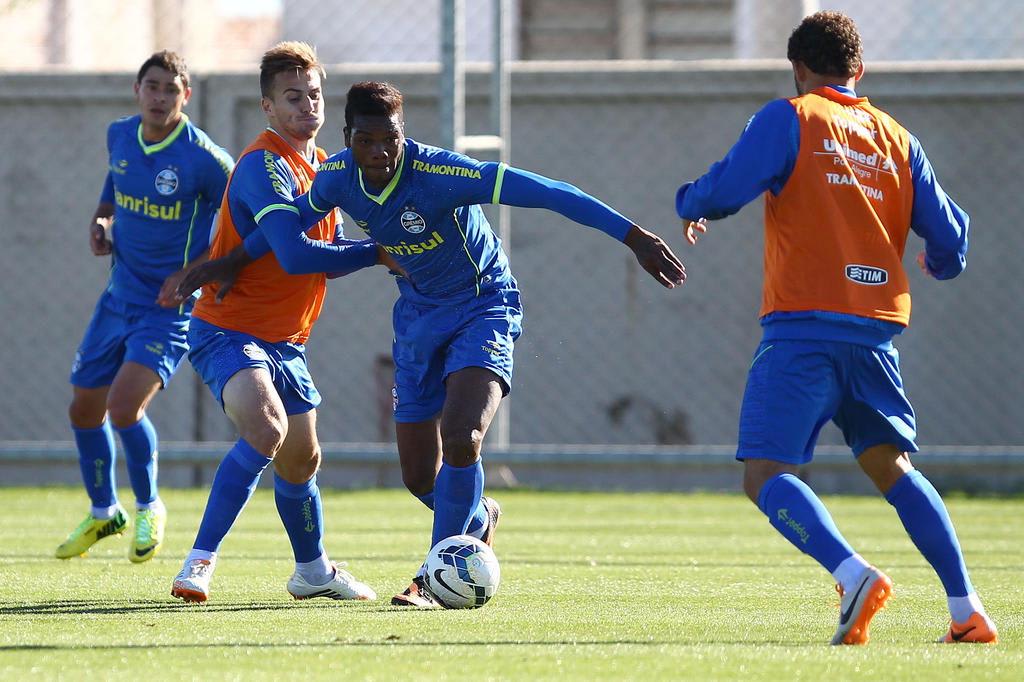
<point x="85" y="413"/>
<point x="461" y="446"/>
<point x="124" y="413"/>
<point x="266" y="436"/>
<point x="296" y="471"/>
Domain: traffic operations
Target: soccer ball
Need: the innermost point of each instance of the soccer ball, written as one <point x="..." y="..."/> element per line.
<point x="462" y="572"/>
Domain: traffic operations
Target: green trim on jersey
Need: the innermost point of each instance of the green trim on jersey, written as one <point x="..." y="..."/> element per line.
<point x="274" y="207"/>
<point x="188" y="244"/>
<point x="309" y="198"/>
<point x="164" y="143"/>
<point x="465" y="247"/>
<point x="383" y="196"/>
<point x="496" y="196"/>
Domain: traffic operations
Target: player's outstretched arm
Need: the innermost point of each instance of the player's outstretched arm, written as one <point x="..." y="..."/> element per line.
<point x="529" y="190"/>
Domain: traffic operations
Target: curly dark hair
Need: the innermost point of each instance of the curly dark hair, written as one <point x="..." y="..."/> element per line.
<point x="372" y="98"/>
<point x="828" y="44"/>
<point x="167" y="60"/>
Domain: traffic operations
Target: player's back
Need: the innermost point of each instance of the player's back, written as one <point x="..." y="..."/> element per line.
<point x="835" y="234"/>
<point x="266" y="301"/>
<point x="165" y="195"/>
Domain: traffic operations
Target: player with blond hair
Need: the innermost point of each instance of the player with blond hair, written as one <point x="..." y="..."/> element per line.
<point x="249" y="347"/>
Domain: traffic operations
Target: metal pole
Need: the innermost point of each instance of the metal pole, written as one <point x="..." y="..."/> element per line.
<point x="453" y="75"/>
<point x="501" y="115"/>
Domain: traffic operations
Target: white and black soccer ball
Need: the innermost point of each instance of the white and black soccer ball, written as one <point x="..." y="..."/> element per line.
<point x="462" y="572"/>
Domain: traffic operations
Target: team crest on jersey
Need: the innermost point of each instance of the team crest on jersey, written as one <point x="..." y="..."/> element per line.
<point x="254" y="352"/>
<point x="865" y="274"/>
<point x="413" y="222"/>
<point x="166" y="181"/>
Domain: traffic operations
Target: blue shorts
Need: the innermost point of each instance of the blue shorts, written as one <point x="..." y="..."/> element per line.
<point x="218" y="354"/>
<point x="431" y="342"/>
<point x="795" y="387"/>
<point x="121" y="332"/>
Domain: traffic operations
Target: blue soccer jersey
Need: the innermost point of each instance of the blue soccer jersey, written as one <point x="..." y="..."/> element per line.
<point x="165" y="197"/>
<point x="428" y="218"/>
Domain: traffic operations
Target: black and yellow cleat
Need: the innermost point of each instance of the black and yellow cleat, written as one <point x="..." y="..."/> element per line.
<point x="90" y="531"/>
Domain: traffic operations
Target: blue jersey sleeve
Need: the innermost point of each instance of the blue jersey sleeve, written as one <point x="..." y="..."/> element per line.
<point x="460" y="179"/>
<point x="937" y="219"/>
<point x="215" y="168"/>
<point x="299" y="255"/>
<point x="263" y="184"/>
<point x="515" y="187"/>
<point x="107" y="194"/>
<point x="761" y="161"/>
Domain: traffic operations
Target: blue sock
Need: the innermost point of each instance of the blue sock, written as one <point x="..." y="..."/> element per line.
<point x="924" y="515"/>
<point x="236" y="479"/>
<point x="796" y="512"/>
<point x="96" y="459"/>
<point x="457" y="492"/>
<point x="478" y="520"/>
<point x="302" y="513"/>
<point x="140" y="443"/>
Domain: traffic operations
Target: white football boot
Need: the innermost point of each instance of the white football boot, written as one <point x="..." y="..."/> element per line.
<point x="193" y="583"/>
<point x="343" y="585"/>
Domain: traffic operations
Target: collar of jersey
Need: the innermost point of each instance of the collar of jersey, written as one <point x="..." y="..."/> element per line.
<point x="148" y="149"/>
<point x="309" y="164"/>
<point x="844" y="96"/>
<point x="383" y="196"/>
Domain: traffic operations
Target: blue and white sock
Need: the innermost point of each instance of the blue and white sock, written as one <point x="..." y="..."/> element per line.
<point x="457" y="493"/>
<point x="924" y="516"/>
<point x="796" y="512"/>
<point x="96" y="460"/>
<point x="302" y="514"/>
<point x="236" y="479"/>
<point x="140" y="448"/>
<point x="477" y="523"/>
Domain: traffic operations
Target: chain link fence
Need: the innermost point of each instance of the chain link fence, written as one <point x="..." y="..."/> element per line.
<point x="606" y="356"/>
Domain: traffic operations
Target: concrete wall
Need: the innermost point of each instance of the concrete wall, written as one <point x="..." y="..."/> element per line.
<point x="607" y="356"/>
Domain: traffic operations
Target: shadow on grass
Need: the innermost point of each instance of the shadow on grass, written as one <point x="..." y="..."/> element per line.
<point x="68" y="607"/>
<point x="395" y="641"/>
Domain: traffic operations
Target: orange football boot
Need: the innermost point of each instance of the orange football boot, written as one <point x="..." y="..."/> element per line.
<point x="978" y="629"/>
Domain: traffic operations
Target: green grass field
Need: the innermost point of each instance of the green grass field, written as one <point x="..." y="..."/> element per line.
<point x="595" y="586"/>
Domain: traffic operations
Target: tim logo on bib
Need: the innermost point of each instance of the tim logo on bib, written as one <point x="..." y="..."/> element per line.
<point x="413" y="222"/>
<point x="865" y="274"/>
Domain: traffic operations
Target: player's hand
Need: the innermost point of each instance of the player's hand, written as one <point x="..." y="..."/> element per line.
<point x="387" y="260"/>
<point x="656" y="257"/>
<point x="922" y="263"/>
<point x="168" y="296"/>
<point x="692" y="229"/>
<point x="99" y="237"/>
<point x="222" y="271"/>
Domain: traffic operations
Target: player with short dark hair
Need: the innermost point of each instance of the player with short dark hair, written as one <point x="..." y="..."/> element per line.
<point x="845" y="184"/>
<point x="164" y="182"/>
<point x="458" y="314"/>
<point x="250" y="348"/>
